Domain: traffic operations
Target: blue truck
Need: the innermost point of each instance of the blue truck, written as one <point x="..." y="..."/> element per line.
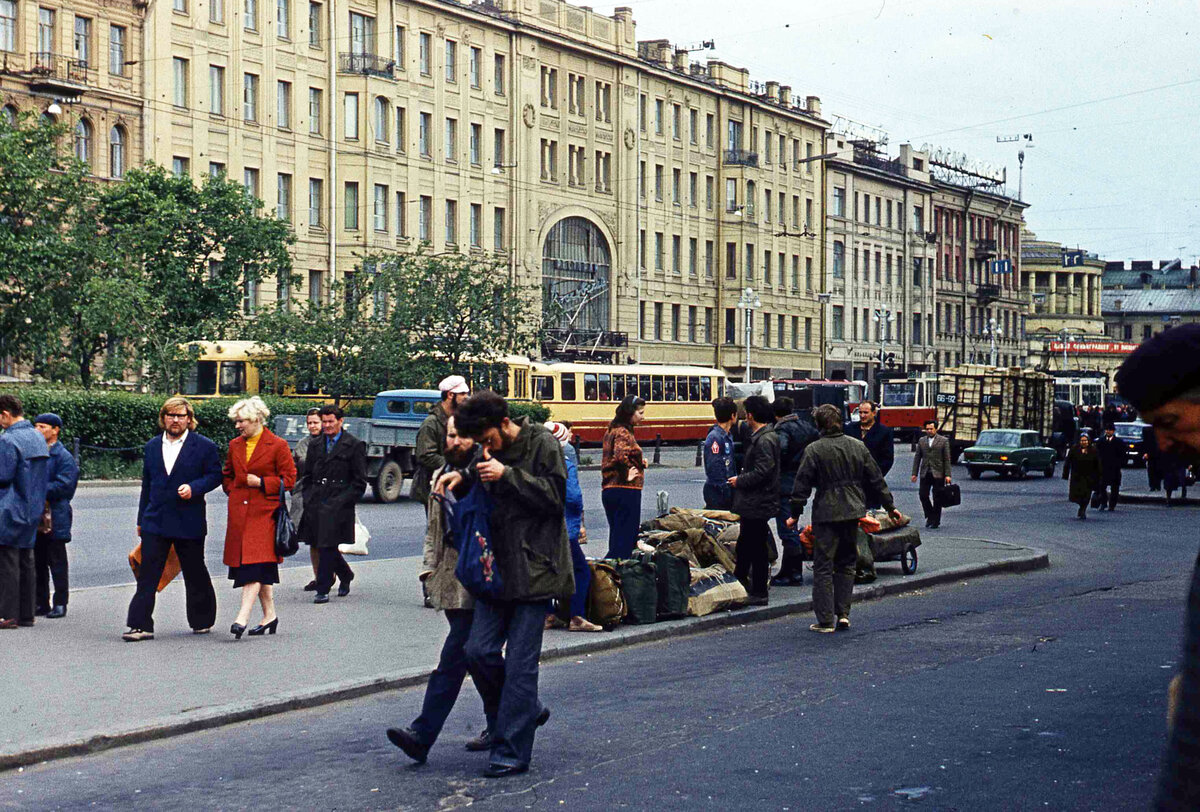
<point x="390" y="434"/>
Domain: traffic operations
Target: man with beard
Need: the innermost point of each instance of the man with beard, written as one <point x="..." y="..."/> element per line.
<point x="523" y="470"/>
<point x="1161" y="379"/>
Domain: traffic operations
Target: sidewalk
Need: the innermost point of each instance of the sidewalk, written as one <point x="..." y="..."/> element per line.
<point x="1144" y="496"/>
<point x="72" y="686"/>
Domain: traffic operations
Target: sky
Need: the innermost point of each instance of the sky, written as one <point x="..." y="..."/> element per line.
<point x="1110" y="92"/>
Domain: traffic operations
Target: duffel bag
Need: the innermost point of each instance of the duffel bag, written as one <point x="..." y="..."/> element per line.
<point x="639" y="585"/>
<point x="713" y="589"/>
<point x="674" y="579"/>
<point x="605" y="602"/>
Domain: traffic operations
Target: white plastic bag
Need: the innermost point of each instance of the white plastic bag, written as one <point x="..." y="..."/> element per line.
<point x="361" y="536"/>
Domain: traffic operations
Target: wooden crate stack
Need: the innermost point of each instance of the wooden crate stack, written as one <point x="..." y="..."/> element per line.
<point x="1015" y="398"/>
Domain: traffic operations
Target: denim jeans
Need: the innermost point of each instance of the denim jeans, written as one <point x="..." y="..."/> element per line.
<point x="508" y="680"/>
<point x="446" y="680"/>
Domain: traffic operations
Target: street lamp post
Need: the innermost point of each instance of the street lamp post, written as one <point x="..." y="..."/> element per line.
<point x="885" y="318"/>
<point x="748" y="303"/>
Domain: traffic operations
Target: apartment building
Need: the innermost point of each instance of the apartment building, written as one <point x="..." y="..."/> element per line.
<point x="78" y="63"/>
<point x="879" y="261"/>
<point x="981" y="300"/>
<point x="639" y="192"/>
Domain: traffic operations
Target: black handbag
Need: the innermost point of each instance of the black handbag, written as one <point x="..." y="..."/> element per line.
<point x="948" y="496"/>
<point x="1097" y="499"/>
<point x="287" y="540"/>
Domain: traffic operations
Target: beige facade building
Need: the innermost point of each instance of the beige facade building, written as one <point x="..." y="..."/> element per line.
<point x="642" y="193"/>
<point x="1065" y="327"/>
<point x="878" y="260"/>
<point x="78" y="63"/>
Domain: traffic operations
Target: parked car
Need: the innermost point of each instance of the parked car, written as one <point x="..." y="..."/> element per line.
<point x="1009" y="451"/>
<point x="1131" y="435"/>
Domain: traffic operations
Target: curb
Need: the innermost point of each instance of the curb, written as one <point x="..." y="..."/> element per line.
<point x="208" y="719"/>
<point x="1156" y="499"/>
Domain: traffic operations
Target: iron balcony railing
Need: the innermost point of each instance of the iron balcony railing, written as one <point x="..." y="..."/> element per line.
<point x="985" y="248"/>
<point x="740" y="157"/>
<point x="367" y="65"/>
<point x="51" y="69"/>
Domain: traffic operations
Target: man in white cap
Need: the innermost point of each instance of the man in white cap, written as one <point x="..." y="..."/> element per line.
<point x="431" y="437"/>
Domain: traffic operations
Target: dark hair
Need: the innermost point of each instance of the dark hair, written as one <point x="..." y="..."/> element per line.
<point x="724" y="409"/>
<point x="874" y="406"/>
<point x="625" y="412"/>
<point x="828" y="417"/>
<point x="929" y="421"/>
<point x="760" y="409"/>
<point x="784" y="406"/>
<point x="480" y="412"/>
<point x="329" y="408"/>
<point x="566" y="423"/>
<point x="12" y="405"/>
<point x="312" y="411"/>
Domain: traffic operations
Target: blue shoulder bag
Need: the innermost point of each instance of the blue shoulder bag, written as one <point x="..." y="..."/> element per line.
<point x="470" y="519"/>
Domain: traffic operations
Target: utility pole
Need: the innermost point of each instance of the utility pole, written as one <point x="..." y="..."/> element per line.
<point x="749" y="303"/>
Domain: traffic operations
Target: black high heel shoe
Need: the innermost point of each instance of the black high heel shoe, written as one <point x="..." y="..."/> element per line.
<point x="262" y="629"/>
<point x="237" y="630"/>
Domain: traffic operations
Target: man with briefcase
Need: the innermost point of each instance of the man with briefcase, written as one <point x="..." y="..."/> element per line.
<point x="932" y="465"/>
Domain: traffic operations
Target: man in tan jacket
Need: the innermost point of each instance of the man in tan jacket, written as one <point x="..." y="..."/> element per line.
<point x="932" y="465"/>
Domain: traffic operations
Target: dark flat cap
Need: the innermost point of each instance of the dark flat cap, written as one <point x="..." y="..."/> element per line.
<point x="1162" y="368"/>
<point x="50" y="419"/>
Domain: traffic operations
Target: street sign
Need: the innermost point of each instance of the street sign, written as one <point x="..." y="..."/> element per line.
<point x="1072" y="259"/>
<point x="1094" y="347"/>
<point x="1001" y="266"/>
<point x="992" y="400"/>
<point x="945" y="399"/>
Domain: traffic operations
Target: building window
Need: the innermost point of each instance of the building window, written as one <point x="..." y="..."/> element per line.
<point x="216" y="90"/>
<point x="659" y="251"/>
<point x="658" y="116"/>
<point x="283" y="197"/>
<point x="452" y="222"/>
<point x="250" y="15"/>
<point x="498" y="148"/>
<point x="473" y="69"/>
<point x="362" y="34"/>
<point x="918" y="219"/>
<point x="549" y="160"/>
<point x="424" y="46"/>
<point x="476" y="225"/>
<point x="314" y="110"/>
<point x="83" y="41"/>
<point x="642" y="112"/>
<point x="401" y="130"/>
<point x="179" y="96"/>
<point x="314" y="25"/>
<point x="808" y="331"/>
<point x="451" y="145"/>
<point x="116" y="152"/>
<point x="351" y="114"/>
<point x="398" y="49"/>
<point x="731" y="188"/>
<point x="8" y="25"/>
<point x="550" y="87"/>
<point x="350" y="203"/>
<point x="216" y="169"/>
<point x="693" y="259"/>
<point x="676" y="184"/>
<point x="708" y="259"/>
<point x="380" y="209"/>
<point x="283" y="19"/>
<point x="839" y="201"/>
<point x="498" y="74"/>
<point x="316" y="197"/>
<point x="839" y="323"/>
<point x="603" y="101"/>
<point x="249" y="297"/>
<point x="808" y="274"/>
<point x="658" y="321"/>
<point x="424" y="136"/>
<point x="839" y="259"/>
<point x="283" y="105"/>
<point x="730" y="325"/>
<point x="674" y="322"/>
<point x="83" y="141"/>
<point x="473" y="145"/>
<point x="179" y="166"/>
<point x="314" y="286"/>
<point x="574" y="94"/>
<point x="425" y="219"/>
<point x="676" y="251"/>
<point x="603" y="171"/>
<point x="45" y="31"/>
<point x="116" y="44"/>
<point x="731" y="260"/>
<point x="499" y="241"/>
<point x="451" y="61"/>
<point x="381" y="120"/>
<point x="250" y="97"/>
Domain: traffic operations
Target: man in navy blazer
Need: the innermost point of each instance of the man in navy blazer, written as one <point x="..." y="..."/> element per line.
<point x="179" y="467"/>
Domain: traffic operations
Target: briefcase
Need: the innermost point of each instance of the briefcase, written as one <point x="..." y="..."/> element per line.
<point x="948" y="496"/>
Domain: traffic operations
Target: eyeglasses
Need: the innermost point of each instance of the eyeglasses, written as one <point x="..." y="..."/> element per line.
<point x="176" y="416"/>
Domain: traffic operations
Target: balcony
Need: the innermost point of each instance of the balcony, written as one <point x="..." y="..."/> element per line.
<point x="367" y="65"/>
<point x="740" y="157"/>
<point x="985" y="249"/>
<point x="986" y="294"/>
<point x="59" y="75"/>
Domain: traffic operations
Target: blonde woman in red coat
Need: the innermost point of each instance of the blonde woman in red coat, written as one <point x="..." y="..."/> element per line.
<point x="257" y="464"/>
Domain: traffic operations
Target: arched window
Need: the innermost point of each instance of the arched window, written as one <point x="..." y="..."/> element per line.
<point x="116" y="152"/>
<point x="575" y="277"/>
<point x="381" y="119"/>
<point x="83" y="141"/>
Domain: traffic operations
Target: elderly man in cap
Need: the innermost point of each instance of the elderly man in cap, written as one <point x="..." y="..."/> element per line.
<point x="50" y="552"/>
<point x="1162" y="381"/>
<point x="24" y="458"/>
<point x="431" y="437"/>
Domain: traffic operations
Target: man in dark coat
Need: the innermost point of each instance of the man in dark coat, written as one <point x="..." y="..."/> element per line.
<point x="1161" y="379"/>
<point x="718" y="456"/>
<point x="179" y="467"/>
<point x="431" y="437"/>
<point x="336" y="471"/>
<point x="524" y="471"/>
<point x="756" y="499"/>
<point x="879" y="439"/>
<point x="50" y="554"/>
<point x="1152" y="454"/>
<point x="1112" y="459"/>
<point x="841" y="471"/>
<point x="24" y="458"/>
<point x="795" y="434"/>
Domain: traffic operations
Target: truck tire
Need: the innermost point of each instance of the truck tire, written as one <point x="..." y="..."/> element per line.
<point x="388" y="483"/>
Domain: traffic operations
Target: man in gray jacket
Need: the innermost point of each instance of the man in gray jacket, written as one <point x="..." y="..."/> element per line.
<point x="932" y="465"/>
<point x="840" y="469"/>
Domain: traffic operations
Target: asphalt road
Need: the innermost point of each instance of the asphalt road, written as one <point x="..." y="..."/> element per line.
<point x="1043" y="690"/>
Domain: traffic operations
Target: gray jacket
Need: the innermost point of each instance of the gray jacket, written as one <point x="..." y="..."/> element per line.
<point x="757" y="493"/>
<point x="933" y="457"/>
<point x="839" y="468"/>
<point x="429" y="453"/>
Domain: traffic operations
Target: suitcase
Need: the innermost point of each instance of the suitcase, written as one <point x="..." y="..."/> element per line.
<point x="948" y="495"/>
<point x="639" y="586"/>
<point x="674" y="580"/>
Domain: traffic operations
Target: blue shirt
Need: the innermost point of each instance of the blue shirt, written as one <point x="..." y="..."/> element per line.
<point x="718" y="456"/>
<point x="330" y="442"/>
<point x="24" y="460"/>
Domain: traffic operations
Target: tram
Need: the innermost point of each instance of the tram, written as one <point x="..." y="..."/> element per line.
<point x="907" y="401"/>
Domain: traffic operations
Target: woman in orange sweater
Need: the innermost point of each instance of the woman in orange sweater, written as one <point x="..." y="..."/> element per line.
<point x="623" y="471"/>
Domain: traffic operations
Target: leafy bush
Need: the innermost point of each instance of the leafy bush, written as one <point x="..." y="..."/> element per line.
<point x="533" y="410"/>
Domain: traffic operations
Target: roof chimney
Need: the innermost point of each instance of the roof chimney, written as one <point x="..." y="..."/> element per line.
<point x="773" y="91"/>
<point x="785" y="95"/>
<point x="680" y="61"/>
<point x="812" y="104"/>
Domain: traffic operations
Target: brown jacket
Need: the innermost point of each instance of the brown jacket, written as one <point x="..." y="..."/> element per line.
<point x="441" y="558"/>
<point x="621" y="453"/>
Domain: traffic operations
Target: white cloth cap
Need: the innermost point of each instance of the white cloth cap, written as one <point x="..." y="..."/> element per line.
<point x="455" y="385"/>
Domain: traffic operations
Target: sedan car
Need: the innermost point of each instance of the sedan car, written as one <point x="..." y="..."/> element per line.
<point x="1009" y="451"/>
<point x="1131" y="435"/>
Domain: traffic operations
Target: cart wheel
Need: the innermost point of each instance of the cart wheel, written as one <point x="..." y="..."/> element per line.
<point x="908" y="560"/>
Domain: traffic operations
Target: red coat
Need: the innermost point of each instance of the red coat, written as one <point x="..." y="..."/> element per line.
<point x="250" y="537"/>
